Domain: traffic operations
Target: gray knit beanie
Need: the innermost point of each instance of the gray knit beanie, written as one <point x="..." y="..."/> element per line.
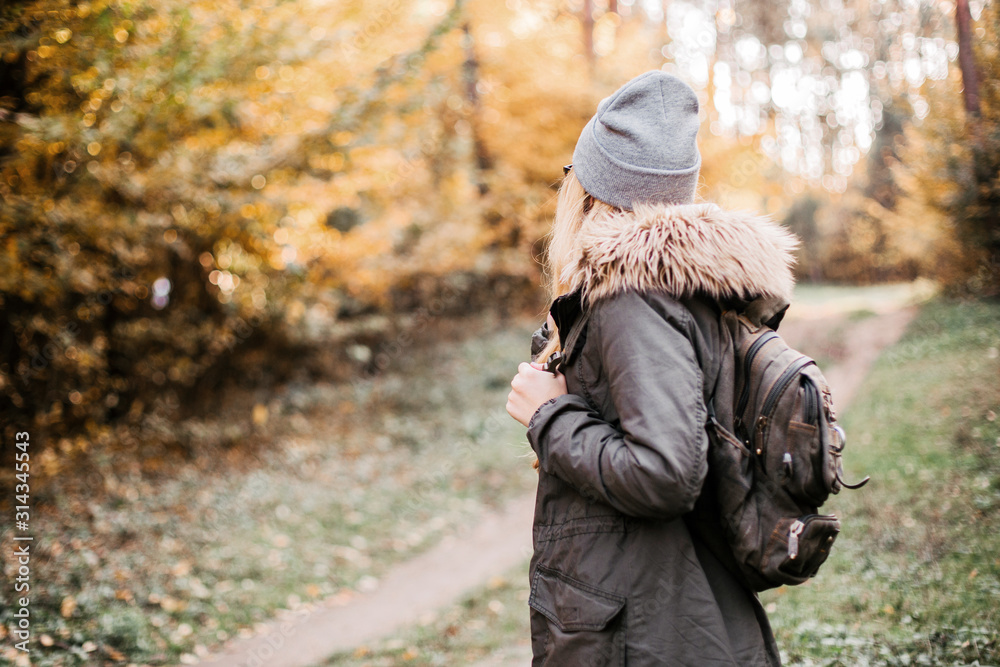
<point x="640" y="145"/>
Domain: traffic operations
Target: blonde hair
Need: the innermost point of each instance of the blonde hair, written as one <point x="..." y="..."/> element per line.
<point x="573" y="207"/>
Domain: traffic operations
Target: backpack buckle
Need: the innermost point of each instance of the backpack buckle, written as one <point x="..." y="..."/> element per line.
<point x="843" y="443"/>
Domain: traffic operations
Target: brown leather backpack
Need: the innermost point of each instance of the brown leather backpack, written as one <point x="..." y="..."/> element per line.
<point x="775" y="456"/>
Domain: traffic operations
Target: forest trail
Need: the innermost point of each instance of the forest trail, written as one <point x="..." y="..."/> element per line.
<point x="845" y="338"/>
<point x="852" y="356"/>
<point x="412" y="589"/>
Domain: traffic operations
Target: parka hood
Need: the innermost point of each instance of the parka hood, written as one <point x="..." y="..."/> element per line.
<point x="732" y="256"/>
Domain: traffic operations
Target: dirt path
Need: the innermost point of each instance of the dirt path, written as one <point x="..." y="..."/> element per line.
<point x="498" y="542"/>
<point x="461" y="562"/>
<point x="847" y="349"/>
<point x="851" y="346"/>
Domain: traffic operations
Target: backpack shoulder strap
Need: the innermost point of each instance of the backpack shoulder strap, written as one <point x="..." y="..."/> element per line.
<point x="571" y="316"/>
<point x="721" y="399"/>
<point x="575" y="339"/>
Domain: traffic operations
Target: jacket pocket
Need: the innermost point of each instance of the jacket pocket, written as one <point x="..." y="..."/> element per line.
<point x="586" y="625"/>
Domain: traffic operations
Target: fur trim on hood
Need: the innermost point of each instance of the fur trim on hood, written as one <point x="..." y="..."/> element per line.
<point x="685" y="249"/>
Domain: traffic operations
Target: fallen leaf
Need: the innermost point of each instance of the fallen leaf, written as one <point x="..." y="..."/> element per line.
<point x="181" y="569"/>
<point x="259" y="414"/>
<point x="114" y="653"/>
<point x="68" y="606"/>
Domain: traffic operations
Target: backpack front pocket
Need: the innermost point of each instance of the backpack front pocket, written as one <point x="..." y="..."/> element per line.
<point x="586" y="625"/>
<point x="798" y="547"/>
<point x="800" y="462"/>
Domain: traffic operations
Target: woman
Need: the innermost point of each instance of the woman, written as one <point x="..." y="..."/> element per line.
<point x="629" y="564"/>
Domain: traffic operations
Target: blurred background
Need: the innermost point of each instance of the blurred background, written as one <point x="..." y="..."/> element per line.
<point x="267" y="267"/>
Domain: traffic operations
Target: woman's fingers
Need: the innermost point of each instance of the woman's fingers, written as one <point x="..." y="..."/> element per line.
<point x="530" y="388"/>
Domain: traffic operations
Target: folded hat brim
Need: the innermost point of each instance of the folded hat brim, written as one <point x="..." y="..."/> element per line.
<point x="623" y="185"/>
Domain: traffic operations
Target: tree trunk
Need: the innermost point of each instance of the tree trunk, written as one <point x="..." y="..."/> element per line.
<point x="967" y="59"/>
<point x="588" y="34"/>
<point x="470" y="72"/>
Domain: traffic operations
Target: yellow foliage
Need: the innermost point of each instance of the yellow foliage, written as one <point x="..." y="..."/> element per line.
<point x="184" y="178"/>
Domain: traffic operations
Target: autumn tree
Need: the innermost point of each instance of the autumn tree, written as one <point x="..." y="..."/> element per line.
<point x="954" y="157"/>
<point x="178" y="179"/>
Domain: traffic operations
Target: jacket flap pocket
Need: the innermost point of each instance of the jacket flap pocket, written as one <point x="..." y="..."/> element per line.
<point x="571" y="604"/>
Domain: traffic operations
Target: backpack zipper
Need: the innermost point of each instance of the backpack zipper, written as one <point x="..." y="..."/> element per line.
<point x="775" y="393"/>
<point x="793" y="538"/>
<point x="747" y="364"/>
<point x="811" y="401"/>
<point x="796" y="529"/>
<point x="811" y="408"/>
<point x="782" y="383"/>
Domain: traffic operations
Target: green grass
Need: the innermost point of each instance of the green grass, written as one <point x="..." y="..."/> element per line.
<point x="915" y="575"/>
<point x="851" y="297"/>
<point x="490" y="619"/>
<point x="344" y="481"/>
<point x="914" y="578"/>
<point x="358" y="478"/>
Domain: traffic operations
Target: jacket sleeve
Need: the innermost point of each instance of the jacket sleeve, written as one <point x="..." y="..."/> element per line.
<point x="654" y="464"/>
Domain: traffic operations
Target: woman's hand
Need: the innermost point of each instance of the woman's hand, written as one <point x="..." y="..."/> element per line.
<point x="531" y="387"/>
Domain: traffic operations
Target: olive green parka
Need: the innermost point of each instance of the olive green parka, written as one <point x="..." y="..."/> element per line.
<point x="629" y="564"/>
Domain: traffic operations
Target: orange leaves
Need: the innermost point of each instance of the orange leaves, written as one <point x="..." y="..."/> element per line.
<point x="193" y="176"/>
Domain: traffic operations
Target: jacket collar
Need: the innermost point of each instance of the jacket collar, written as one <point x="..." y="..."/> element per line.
<point x="732" y="256"/>
<point x="565" y="311"/>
